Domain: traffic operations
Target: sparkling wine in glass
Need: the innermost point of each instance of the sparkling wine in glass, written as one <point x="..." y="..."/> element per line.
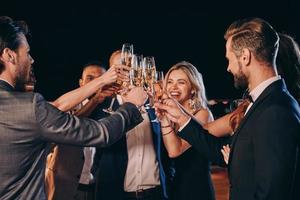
<point x="126" y="59"/>
<point x="126" y="55"/>
<point x="158" y="86"/>
<point x="136" y="73"/>
<point x="149" y="71"/>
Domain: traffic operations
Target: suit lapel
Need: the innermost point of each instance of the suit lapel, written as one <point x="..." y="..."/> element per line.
<point x="5" y="86"/>
<point x="279" y="84"/>
<point x="155" y="126"/>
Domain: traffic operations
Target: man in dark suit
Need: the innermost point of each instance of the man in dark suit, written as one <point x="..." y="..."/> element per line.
<point x="134" y="167"/>
<point x="28" y="123"/>
<point x="264" y="153"/>
<point x="113" y="164"/>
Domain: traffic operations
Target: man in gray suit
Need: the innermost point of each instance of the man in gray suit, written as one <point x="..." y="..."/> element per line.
<point x="28" y="123"/>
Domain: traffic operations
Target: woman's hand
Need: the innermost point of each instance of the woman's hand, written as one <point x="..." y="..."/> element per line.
<point x="226" y="151"/>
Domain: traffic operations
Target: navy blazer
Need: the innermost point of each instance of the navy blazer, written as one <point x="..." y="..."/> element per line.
<point x="110" y="164"/>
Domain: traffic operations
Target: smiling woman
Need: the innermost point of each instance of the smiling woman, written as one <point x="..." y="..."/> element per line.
<point x="192" y="179"/>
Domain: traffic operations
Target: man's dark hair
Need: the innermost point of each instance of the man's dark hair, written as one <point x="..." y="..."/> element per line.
<point x="288" y="63"/>
<point x="10" y="31"/>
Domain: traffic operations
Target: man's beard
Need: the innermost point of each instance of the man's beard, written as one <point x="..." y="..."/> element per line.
<point x="21" y="81"/>
<point x="240" y="79"/>
<point x="20" y="85"/>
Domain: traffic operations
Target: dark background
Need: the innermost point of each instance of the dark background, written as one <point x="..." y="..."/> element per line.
<point x="66" y="35"/>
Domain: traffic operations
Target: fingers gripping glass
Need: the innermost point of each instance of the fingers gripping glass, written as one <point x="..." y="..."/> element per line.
<point x="149" y="70"/>
<point x="126" y="56"/>
<point x="126" y="59"/>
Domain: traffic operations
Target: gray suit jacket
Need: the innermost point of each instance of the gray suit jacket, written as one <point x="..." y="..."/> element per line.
<point x="28" y="124"/>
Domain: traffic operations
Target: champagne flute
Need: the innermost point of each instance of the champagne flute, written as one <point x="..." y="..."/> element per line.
<point x="136" y="72"/>
<point x="126" y="55"/>
<point x="158" y="90"/>
<point x="149" y="77"/>
<point x="158" y="86"/>
<point x="126" y="59"/>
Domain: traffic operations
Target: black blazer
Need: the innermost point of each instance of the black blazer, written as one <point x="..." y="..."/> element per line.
<point x="265" y="148"/>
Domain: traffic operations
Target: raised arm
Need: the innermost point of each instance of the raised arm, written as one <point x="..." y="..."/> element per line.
<point x="219" y="127"/>
<point x="69" y="100"/>
<point x="60" y="127"/>
<point x="227" y="124"/>
<point x="192" y="132"/>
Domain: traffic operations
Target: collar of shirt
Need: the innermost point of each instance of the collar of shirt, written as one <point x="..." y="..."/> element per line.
<point x="120" y="100"/>
<point x="256" y="92"/>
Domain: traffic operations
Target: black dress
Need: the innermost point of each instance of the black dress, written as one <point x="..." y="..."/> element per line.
<point x="192" y="179"/>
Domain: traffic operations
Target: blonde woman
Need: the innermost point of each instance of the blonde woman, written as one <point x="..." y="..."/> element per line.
<point x="192" y="179"/>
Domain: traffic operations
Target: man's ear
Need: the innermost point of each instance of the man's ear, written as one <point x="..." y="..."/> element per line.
<point x="246" y="57"/>
<point x="8" y="56"/>
<point x="80" y="82"/>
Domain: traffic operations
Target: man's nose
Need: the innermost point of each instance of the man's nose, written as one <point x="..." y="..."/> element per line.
<point x="31" y="60"/>
<point x="228" y="69"/>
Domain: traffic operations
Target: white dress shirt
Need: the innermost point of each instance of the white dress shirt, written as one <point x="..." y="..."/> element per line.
<point x="86" y="176"/>
<point x="142" y="169"/>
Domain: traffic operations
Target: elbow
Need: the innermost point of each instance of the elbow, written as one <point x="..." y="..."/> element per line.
<point x="61" y="106"/>
<point x="174" y="154"/>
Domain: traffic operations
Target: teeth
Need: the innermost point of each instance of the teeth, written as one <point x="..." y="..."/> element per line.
<point x="174" y="93"/>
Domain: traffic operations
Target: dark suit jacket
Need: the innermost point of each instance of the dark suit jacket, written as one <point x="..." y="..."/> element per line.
<point x="27" y="126"/>
<point x="265" y="148"/>
<point x="112" y="162"/>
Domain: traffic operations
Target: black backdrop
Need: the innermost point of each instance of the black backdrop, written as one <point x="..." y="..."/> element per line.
<point x="65" y="35"/>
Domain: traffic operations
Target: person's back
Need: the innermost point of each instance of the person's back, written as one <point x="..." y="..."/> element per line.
<point x="28" y="123"/>
<point x="20" y="154"/>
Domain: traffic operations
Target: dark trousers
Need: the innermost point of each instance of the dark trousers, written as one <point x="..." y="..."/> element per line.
<point x="85" y="192"/>
<point x="148" y="194"/>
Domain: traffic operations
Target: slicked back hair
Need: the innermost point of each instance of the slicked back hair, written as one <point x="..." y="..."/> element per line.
<point x="10" y="32"/>
<point x="254" y="34"/>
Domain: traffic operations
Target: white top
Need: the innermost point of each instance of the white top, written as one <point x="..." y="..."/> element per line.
<point x="89" y="153"/>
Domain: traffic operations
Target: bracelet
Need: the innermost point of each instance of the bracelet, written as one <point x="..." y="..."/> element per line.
<point x="161" y="126"/>
<point x="164" y="134"/>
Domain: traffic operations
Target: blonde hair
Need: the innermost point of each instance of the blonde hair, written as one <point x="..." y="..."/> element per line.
<point x="196" y="81"/>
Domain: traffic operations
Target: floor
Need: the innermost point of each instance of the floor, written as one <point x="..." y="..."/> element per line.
<point x="221" y="183"/>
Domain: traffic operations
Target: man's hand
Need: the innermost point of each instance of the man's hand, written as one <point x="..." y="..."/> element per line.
<point x="105" y="92"/>
<point x="116" y="73"/>
<point x="172" y="110"/>
<point x="136" y="95"/>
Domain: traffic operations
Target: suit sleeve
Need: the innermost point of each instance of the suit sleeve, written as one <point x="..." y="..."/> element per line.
<point x="60" y="127"/>
<point x="208" y="145"/>
<point x="275" y="152"/>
